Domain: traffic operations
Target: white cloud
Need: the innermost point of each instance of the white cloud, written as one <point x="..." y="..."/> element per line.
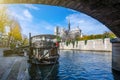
<point x="71" y="10"/>
<point x="42" y="27"/>
<point x="17" y="16"/>
<point x="27" y="14"/>
<point x="46" y="25"/>
<point x="87" y="24"/>
<point x="75" y="19"/>
<point x="30" y="6"/>
<point x="21" y="15"/>
<point x="2" y="5"/>
<point x="31" y="24"/>
<point x="24" y="17"/>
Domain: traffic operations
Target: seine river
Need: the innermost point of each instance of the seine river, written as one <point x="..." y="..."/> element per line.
<point x="80" y="65"/>
<point x="73" y="65"/>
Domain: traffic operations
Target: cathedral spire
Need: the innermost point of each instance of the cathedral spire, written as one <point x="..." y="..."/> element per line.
<point x="69" y="25"/>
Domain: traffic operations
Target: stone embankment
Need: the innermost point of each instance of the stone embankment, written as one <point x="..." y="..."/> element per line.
<point x="89" y="45"/>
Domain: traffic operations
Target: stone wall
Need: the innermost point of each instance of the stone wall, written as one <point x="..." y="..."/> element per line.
<point x="90" y="45"/>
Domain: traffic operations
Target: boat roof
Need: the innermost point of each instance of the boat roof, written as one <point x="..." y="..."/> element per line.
<point x="48" y="36"/>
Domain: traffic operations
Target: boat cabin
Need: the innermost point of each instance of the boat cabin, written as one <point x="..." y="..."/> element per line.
<point x="44" y="49"/>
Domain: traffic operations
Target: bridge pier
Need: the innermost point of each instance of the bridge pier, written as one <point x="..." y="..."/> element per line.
<point x="116" y="54"/>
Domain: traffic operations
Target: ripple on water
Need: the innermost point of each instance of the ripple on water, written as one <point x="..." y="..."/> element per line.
<point x="85" y="66"/>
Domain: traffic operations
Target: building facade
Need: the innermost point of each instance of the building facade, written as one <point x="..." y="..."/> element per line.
<point x="69" y="33"/>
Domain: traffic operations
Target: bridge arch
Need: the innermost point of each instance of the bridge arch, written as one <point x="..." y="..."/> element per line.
<point x="105" y="11"/>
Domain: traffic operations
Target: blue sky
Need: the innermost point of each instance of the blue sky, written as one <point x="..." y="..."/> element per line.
<point x="42" y="19"/>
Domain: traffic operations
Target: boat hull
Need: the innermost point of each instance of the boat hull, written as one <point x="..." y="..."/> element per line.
<point x="45" y="61"/>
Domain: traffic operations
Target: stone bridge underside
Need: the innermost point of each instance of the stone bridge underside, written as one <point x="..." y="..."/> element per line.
<point x="105" y="11"/>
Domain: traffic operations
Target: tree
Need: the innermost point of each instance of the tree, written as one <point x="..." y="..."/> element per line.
<point x="15" y="35"/>
<point x="109" y="35"/>
<point x="106" y="34"/>
<point x="25" y="40"/>
<point x="16" y="31"/>
<point x="98" y="36"/>
<point x="3" y="19"/>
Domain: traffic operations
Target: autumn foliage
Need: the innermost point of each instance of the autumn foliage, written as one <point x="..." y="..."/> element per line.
<point x="14" y="35"/>
<point x="97" y="36"/>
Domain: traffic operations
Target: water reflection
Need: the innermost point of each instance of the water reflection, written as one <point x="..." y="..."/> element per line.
<point x="49" y="72"/>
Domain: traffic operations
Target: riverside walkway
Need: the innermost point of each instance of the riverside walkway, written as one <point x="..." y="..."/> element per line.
<point x="13" y="68"/>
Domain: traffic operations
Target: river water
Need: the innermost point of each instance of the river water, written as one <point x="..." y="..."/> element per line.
<point x="79" y="65"/>
<point x="73" y="65"/>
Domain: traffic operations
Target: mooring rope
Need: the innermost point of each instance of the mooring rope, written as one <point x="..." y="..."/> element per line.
<point x="50" y="70"/>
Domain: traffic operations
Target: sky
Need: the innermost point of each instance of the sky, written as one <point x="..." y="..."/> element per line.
<point x="42" y="19"/>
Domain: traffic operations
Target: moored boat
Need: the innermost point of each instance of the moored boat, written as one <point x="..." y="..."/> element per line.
<point x="43" y="50"/>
